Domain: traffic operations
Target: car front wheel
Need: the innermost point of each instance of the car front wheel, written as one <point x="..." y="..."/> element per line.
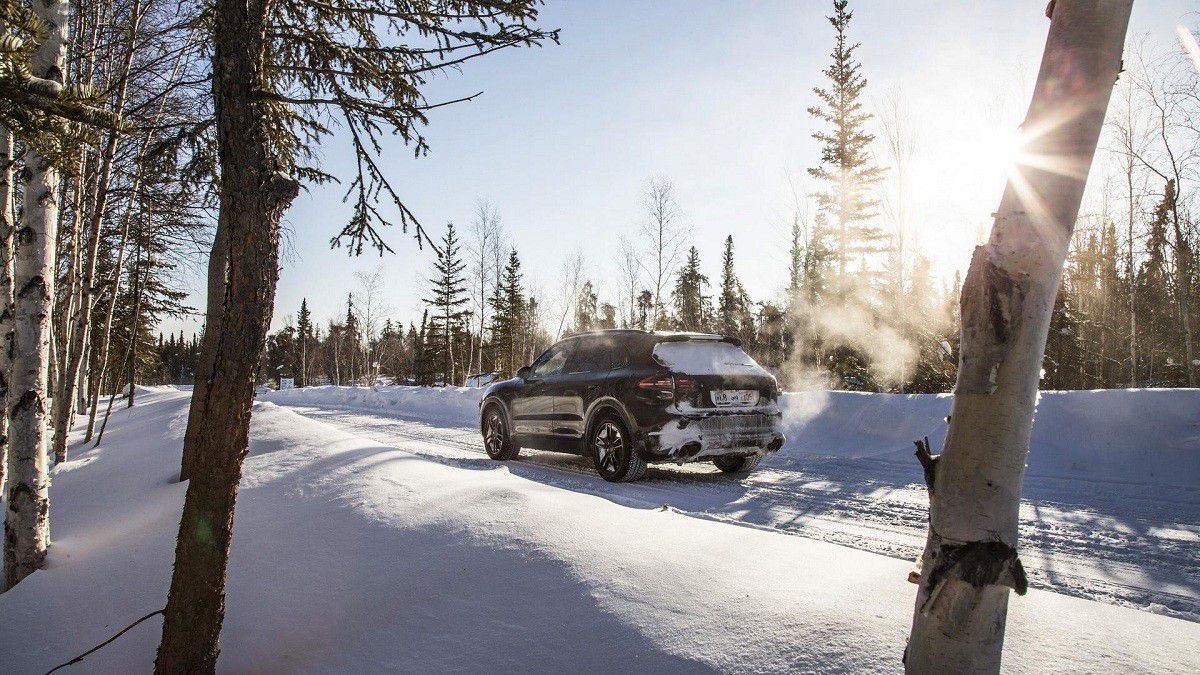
<point x="496" y="438"/>
<point x="613" y="453"/>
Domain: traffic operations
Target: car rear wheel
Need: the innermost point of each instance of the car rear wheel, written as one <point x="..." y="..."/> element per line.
<point x="496" y="438"/>
<point x="613" y="453"/>
<point x="737" y="464"/>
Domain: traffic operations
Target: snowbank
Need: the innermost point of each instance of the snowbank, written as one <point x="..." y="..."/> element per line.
<point x="1149" y="436"/>
<point x="350" y="556"/>
<point x="458" y="406"/>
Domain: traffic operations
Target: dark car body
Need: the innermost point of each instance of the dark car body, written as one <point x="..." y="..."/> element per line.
<point x="671" y="416"/>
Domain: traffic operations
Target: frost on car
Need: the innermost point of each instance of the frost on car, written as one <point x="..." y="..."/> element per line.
<point x="628" y="398"/>
<point x="729" y="413"/>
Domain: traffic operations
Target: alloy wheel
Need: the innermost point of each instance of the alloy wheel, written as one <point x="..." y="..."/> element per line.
<point x="609" y="446"/>
<point x="494" y="436"/>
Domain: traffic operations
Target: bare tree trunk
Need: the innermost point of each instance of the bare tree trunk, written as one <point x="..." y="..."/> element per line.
<point x="78" y="347"/>
<point x="27" y="523"/>
<point x="970" y="559"/>
<point x="135" y="287"/>
<point x="6" y="288"/>
<point x="254" y="193"/>
<point x="106" y="335"/>
<point x="1132" y="206"/>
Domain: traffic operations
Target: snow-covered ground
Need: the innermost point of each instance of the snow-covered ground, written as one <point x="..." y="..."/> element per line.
<point x="372" y="535"/>
<point x="1112" y="492"/>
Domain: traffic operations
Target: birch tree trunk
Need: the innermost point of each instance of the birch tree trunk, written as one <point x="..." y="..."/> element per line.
<point x="970" y="559"/>
<point x="79" y="346"/>
<point x="26" y="522"/>
<point x="6" y="291"/>
<point x="114" y="290"/>
<point x="253" y="193"/>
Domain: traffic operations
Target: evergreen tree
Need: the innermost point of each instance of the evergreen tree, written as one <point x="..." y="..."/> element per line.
<point x="645" y="309"/>
<point x="691" y="309"/>
<point x="421" y="367"/>
<point x="509" y="316"/>
<point x="1157" y="324"/>
<point x="304" y="329"/>
<point x="607" y="318"/>
<point x="448" y="300"/>
<point x="733" y="307"/>
<point x="846" y="167"/>
<point x="586" y="308"/>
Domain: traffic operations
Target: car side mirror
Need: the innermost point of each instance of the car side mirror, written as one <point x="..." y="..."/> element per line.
<point x="523" y="372"/>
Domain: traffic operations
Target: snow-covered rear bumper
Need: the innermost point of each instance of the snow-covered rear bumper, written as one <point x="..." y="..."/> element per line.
<point x="694" y="437"/>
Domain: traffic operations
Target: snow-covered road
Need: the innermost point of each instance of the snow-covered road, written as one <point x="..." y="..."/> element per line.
<point x="1115" y="542"/>
<point x="372" y="535"/>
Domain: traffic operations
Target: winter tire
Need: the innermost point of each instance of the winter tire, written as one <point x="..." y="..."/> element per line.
<point x="736" y="464"/>
<point x="612" y="451"/>
<point x="496" y="437"/>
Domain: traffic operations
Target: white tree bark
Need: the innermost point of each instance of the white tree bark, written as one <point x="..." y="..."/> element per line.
<point x="970" y="559"/>
<point x="74" y="379"/>
<point x="6" y="294"/>
<point x="26" y="523"/>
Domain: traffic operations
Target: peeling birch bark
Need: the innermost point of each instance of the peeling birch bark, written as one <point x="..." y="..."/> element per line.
<point x="74" y="374"/>
<point x="6" y="290"/>
<point x="26" y="522"/>
<point x="970" y="560"/>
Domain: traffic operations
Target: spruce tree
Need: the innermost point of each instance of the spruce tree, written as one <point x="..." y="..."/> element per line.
<point x="733" y="307"/>
<point x="1157" y="324"/>
<point x="508" y="316"/>
<point x="303" y="336"/>
<point x="586" y="308"/>
<point x="690" y="306"/>
<point x="448" y="300"/>
<point x="645" y="309"/>
<point x="846" y="168"/>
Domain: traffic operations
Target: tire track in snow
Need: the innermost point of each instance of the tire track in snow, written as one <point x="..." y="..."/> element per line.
<point x="861" y="504"/>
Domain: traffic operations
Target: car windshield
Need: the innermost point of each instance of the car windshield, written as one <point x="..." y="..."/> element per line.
<point x="704" y="357"/>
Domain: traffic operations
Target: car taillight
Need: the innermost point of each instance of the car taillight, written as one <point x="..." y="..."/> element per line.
<point x="685" y="387"/>
<point x="668" y="386"/>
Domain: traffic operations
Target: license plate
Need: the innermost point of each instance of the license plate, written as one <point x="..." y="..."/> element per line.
<point x="729" y="398"/>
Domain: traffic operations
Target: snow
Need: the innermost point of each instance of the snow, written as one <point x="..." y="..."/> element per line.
<point x="705" y="357"/>
<point x="1111" y="502"/>
<point x="1149" y="436"/>
<point x="420" y="555"/>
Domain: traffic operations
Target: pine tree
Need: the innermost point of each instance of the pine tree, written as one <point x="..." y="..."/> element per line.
<point x="586" y="308"/>
<point x="280" y="73"/>
<point x="421" y="367"/>
<point x="509" y="311"/>
<point x="1157" y="328"/>
<point x="304" y="329"/>
<point x="690" y="307"/>
<point x="448" y="301"/>
<point x="645" y="309"/>
<point x="846" y="166"/>
<point x="733" y="307"/>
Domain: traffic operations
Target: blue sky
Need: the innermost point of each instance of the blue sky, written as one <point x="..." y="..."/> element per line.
<point x="712" y="95"/>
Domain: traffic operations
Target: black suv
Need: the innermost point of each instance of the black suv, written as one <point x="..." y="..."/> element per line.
<point x="629" y="397"/>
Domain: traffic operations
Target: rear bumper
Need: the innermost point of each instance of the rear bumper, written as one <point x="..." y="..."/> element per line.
<point x="691" y="438"/>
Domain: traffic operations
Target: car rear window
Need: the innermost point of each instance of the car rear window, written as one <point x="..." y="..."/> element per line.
<point x="704" y="357"/>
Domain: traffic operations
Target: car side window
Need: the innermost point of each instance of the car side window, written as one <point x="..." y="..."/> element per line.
<point x="592" y="355"/>
<point x="552" y="361"/>
<point x="582" y="357"/>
